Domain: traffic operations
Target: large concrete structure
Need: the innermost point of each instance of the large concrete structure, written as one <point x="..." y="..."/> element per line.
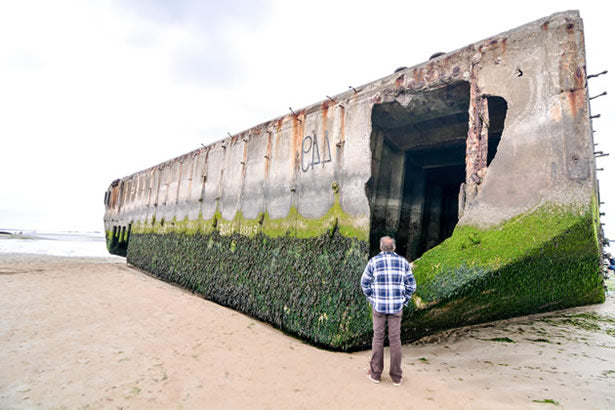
<point x="479" y="162"/>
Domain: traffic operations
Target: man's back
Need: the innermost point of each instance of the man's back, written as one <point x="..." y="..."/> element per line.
<point x="388" y="282"/>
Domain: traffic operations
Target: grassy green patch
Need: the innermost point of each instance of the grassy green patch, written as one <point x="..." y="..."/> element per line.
<point x="545" y="260"/>
<point x="527" y="232"/>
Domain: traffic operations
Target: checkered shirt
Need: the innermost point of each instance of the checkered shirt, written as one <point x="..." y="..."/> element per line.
<point x="388" y="282"/>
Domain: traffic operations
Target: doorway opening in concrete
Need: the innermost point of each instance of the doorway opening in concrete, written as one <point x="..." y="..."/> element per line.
<point x="418" y="166"/>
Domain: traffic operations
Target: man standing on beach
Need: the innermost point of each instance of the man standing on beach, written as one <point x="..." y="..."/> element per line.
<point x="388" y="284"/>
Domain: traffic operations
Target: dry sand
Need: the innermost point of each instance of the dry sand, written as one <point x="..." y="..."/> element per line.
<point x="97" y="333"/>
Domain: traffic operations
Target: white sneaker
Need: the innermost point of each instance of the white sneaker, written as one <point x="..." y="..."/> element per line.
<point x="397" y="384"/>
<point x="369" y="376"/>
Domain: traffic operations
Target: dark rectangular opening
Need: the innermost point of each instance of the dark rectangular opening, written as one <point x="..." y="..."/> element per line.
<point x="418" y="166"/>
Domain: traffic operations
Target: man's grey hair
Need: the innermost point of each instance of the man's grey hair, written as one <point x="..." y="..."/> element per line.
<point x="387" y="244"/>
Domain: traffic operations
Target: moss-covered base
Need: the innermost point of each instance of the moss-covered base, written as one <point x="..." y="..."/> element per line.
<point x="545" y="260"/>
<point x="116" y="245"/>
<point x="307" y="287"/>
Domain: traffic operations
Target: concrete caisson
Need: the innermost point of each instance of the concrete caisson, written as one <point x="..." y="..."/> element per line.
<point x="479" y="162"/>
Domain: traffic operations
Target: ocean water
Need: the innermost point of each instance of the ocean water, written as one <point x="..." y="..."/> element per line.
<point x="77" y="244"/>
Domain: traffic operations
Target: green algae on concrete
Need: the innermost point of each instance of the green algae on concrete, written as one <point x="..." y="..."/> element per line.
<point x="307" y="287"/>
<point x="544" y="260"/>
<point x="294" y="224"/>
<point x="297" y="273"/>
<point x="116" y="244"/>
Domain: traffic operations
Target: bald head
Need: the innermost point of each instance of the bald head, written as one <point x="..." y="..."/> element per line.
<point x="387" y="244"/>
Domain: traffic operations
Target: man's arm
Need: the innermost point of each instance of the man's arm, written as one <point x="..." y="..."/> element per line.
<point x="409" y="283"/>
<point x="366" y="280"/>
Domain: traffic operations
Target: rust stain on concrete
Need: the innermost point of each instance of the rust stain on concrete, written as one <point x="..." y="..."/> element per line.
<point x="576" y="100"/>
<point x="298" y="123"/>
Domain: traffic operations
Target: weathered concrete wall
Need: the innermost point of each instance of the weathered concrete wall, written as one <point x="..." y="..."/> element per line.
<point x="304" y="176"/>
<point x="538" y="69"/>
<point x="547" y="129"/>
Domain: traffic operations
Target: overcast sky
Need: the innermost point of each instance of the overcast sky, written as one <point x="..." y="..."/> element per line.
<point x="91" y="91"/>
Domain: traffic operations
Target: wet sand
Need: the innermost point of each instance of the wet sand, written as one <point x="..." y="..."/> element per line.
<point x="98" y="333"/>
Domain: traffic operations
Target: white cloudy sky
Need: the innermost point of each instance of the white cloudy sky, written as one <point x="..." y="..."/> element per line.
<point x="91" y="91"/>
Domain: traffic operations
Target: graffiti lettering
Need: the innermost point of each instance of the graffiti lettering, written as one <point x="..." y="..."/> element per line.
<point x="310" y="152"/>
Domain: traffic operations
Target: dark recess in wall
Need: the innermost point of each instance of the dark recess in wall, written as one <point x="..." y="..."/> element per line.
<point x="418" y="166"/>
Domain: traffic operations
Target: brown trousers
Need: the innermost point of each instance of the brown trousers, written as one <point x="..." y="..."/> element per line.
<point x="377" y="362"/>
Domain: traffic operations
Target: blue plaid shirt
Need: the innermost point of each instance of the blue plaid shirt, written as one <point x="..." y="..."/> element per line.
<point x="388" y="282"/>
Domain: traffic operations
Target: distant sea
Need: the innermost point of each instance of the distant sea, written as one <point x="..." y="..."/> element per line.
<point x="77" y="244"/>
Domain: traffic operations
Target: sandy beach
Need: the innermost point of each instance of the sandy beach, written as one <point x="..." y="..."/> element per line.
<point x="96" y="333"/>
